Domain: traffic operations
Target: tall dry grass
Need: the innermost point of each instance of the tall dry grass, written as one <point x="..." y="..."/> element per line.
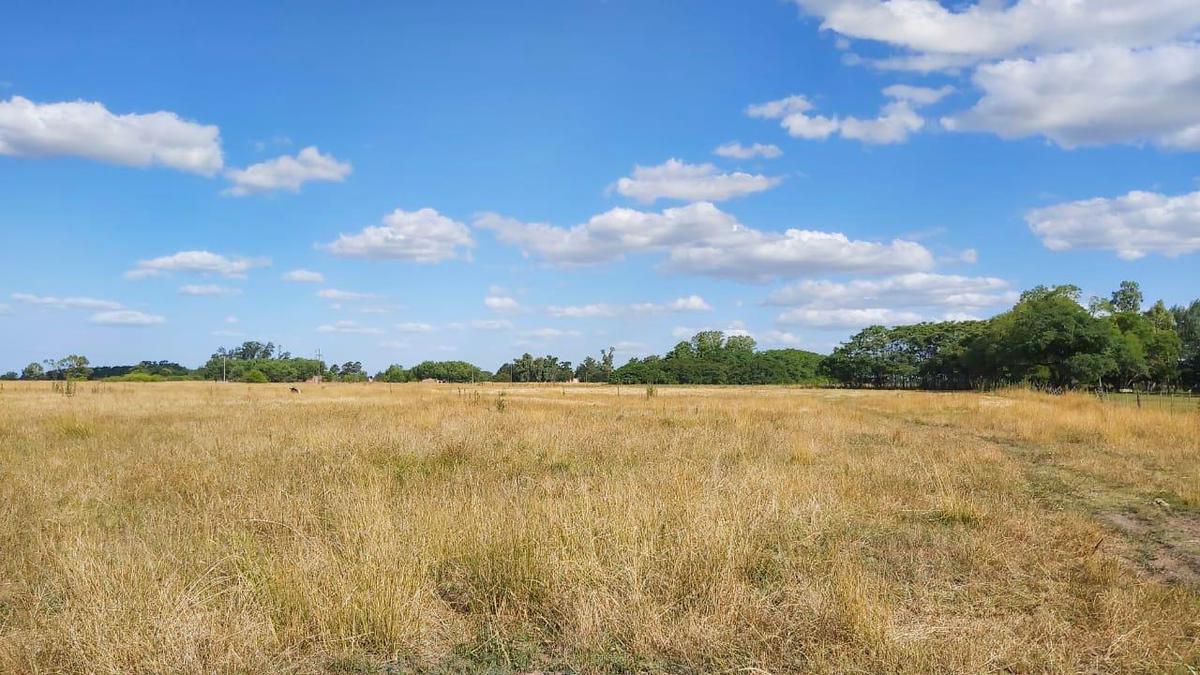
<point x="196" y="527"/>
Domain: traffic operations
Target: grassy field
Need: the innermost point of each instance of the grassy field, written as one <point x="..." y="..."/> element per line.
<point x="195" y="527"/>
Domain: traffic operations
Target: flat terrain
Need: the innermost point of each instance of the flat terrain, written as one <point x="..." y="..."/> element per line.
<point x="195" y="527"/>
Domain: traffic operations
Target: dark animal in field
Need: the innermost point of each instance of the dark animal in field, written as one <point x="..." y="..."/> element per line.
<point x="295" y="390"/>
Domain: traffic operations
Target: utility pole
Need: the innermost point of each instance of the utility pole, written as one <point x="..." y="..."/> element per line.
<point x="321" y="367"/>
<point x="222" y="368"/>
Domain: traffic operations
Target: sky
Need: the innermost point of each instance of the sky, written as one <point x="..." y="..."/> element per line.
<point x="395" y="182"/>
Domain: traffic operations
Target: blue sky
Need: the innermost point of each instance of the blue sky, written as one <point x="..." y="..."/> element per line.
<point x="164" y="167"/>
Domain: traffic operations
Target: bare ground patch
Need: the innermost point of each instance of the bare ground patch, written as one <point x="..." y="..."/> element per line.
<point x="1164" y="545"/>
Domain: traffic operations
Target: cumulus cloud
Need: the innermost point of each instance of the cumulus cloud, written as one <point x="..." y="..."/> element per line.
<point x="583" y="311"/>
<point x="196" y="262"/>
<point x="895" y="123"/>
<point x="919" y="289"/>
<point x="735" y="150"/>
<point x="1096" y="96"/>
<point x="76" y="302"/>
<point x="422" y="236"/>
<point x="847" y="318"/>
<point x="1077" y="72"/>
<point x="348" y="327"/>
<point x="906" y="298"/>
<point x="549" y="333"/>
<point x="732" y="328"/>
<point x="207" y="290"/>
<point x="782" y="338"/>
<point x="89" y="130"/>
<point x="338" y="295"/>
<point x="793" y="115"/>
<point x="701" y="239"/>
<point x="989" y="29"/>
<point x="304" y="276"/>
<point x="675" y="179"/>
<point x="126" y="317"/>
<point x="287" y="173"/>
<point x="501" y="303"/>
<point x="1133" y="225"/>
<point x="413" y="327"/>
<point x="492" y="324"/>
<point x="691" y="303"/>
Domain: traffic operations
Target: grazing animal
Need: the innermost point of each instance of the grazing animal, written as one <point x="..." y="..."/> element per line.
<point x="295" y="390"/>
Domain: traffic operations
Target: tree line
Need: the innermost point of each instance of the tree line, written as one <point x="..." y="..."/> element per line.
<point x="1048" y="339"/>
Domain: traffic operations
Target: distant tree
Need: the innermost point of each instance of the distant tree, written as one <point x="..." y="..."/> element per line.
<point x="449" y="371"/>
<point x="33" y="371"/>
<point x="1187" y="327"/>
<point x="10" y="375"/>
<point x="255" y="376"/>
<point x="72" y="367"/>
<point x="1127" y="298"/>
<point x="393" y="373"/>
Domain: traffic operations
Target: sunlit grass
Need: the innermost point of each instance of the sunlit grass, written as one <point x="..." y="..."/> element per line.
<point x="196" y="527"/>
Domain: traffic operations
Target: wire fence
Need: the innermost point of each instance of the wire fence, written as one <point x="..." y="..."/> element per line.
<point x="1172" y="402"/>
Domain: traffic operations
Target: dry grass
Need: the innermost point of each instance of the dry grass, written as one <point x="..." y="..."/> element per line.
<point x="205" y="528"/>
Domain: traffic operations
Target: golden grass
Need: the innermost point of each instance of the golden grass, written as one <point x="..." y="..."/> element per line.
<point x="195" y="527"/>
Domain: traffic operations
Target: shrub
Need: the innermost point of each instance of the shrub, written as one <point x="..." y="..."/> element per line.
<point x="255" y="376"/>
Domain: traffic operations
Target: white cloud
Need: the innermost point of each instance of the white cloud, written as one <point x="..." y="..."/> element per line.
<point x="753" y="255"/>
<point x="52" y="302"/>
<point x="702" y="239"/>
<point x="343" y="296"/>
<point x="287" y="173"/>
<point x="675" y="179"/>
<point x="692" y="303"/>
<point x="126" y="317"/>
<point x="381" y="309"/>
<point x="896" y="121"/>
<point x="413" y="327"/>
<point x="918" y="289"/>
<point x="1133" y="225"/>
<point x="994" y="29"/>
<point x="492" y="324"/>
<point x="231" y="319"/>
<point x="225" y="333"/>
<point x="610" y="235"/>
<point x="196" y="262"/>
<point x="304" y="276"/>
<point x="735" y="327"/>
<point x="969" y="256"/>
<point x="207" y="290"/>
<point x="783" y="338"/>
<point x="583" y="311"/>
<point x="423" y="236"/>
<point x="735" y="150"/>
<point x="501" y="303"/>
<point x="1097" y="96"/>
<point x="550" y="333"/>
<point x="847" y="318"/>
<point x="348" y="327"/>
<point x="792" y="113"/>
<point x="86" y="129"/>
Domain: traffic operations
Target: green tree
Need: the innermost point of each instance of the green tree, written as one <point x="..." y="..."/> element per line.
<point x="255" y="376"/>
<point x="393" y="373"/>
<point x="33" y="371"/>
<point x="1127" y="298"/>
